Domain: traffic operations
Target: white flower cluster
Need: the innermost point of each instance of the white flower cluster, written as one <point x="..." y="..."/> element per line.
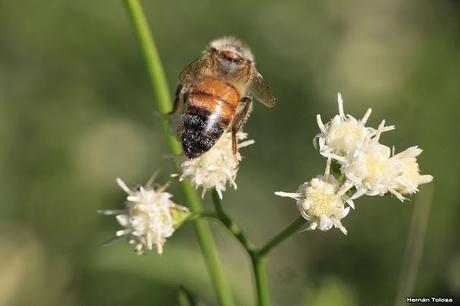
<point x="366" y="163"/>
<point x="217" y="167"/>
<point x="367" y="166"/>
<point x="149" y="218"/>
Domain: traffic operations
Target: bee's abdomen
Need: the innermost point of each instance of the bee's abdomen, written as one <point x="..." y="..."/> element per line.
<point x="210" y="107"/>
<point x="198" y="135"/>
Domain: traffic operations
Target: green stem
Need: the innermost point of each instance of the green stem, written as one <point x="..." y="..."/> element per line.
<point x="163" y="103"/>
<point x="207" y="246"/>
<point x="204" y="214"/>
<point x="258" y="265"/>
<point x="230" y="224"/>
<point x="257" y="261"/>
<point x="283" y="235"/>
<point x="154" y="68"/>
<point x="257" y="257"/>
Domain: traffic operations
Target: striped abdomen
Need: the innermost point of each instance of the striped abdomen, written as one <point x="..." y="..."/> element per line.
<point x="209" y="109"/>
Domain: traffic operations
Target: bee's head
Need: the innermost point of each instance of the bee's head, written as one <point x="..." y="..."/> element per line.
<point x="231" y="54"/>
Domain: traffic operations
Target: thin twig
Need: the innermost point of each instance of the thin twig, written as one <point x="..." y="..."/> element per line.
<point x="230" y="224"/>
<point x="258" y="264"/>
<point x="260" y="275"/>
<point x="283" y="235"/>
<point x="257" y="257"/>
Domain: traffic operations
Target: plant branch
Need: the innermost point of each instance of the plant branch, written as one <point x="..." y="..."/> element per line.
<point x="163" y="102"/>
<point x="230" y="224"/>
<point x="258" y="265"/>
<point x="257" y="257"/>
<point x="260" y="275"/>
<point x="283" y="235"/>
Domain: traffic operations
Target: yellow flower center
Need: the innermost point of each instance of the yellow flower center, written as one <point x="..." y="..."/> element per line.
<point x="323" y="199"/>
<point x="321" y="204"/>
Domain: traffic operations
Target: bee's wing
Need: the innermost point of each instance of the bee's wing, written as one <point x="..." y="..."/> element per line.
<point x="194" y="70"/>
<point x="260" y="89"/>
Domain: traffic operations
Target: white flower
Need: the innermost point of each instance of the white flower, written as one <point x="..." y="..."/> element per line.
<point x="373" y="171"/>
<point x="410" y="178"/>
<point x="149" y="218"/>
<point x="344" y="134"/>
<point x="322" y="201"/>
<point x="217" y="167"/>
<point x="370" y="168"/>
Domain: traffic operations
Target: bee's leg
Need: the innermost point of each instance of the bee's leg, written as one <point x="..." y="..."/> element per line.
<point x="240" y="118"/>
<point x="234" y="148"/>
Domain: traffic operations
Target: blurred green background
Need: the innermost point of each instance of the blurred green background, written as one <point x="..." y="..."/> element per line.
<point x="76" y="112"/>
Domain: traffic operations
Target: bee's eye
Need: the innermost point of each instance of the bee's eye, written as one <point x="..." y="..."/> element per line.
<point x="231" y="56"/>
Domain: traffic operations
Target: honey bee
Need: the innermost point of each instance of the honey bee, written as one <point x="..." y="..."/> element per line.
<point x="214" y="95"/>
